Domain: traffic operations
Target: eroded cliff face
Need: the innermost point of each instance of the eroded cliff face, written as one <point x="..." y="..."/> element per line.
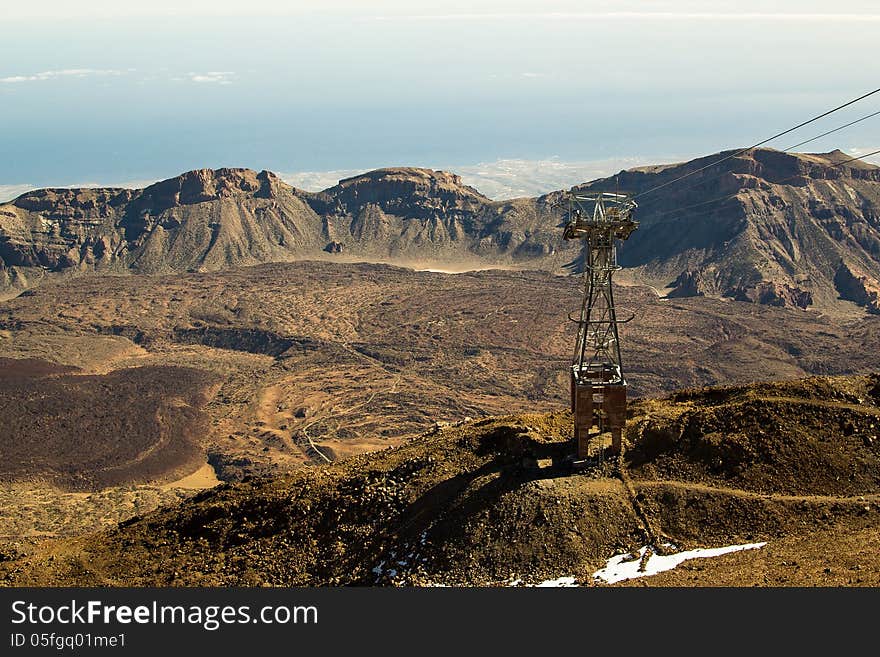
<point x="58" y="228"/>
<point x="214" y="219"/>
<point x="202" y="219"/>
<point x="405" y="192"/>
<point x="765" y="227"/>
<point x="858" y="286"/>
<point x="414" y="214"/>
<point x="393" y="211"/>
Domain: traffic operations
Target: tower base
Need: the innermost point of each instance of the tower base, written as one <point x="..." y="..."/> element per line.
<point x="598" y="404"/>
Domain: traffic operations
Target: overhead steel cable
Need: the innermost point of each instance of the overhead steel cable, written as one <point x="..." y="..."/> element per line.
<point x="726" y="196"/>
<point x="825" y="134"/>
<point x="806" y="141"/>
<point x="760" y="143"/>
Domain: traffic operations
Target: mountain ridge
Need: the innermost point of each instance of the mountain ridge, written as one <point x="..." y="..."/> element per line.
<point x="764" y="226"/>
<point x="773" y="227"/>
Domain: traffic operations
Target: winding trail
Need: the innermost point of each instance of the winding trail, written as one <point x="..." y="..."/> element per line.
<point x="746" y="494"/>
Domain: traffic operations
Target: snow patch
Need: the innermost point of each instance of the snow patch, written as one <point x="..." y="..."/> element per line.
<point x="623" y="566"/>
<point x="547" y="583"/>
<point x="559" y="582"/>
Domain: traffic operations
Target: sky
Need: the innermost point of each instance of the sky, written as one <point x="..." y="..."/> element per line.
<point x="519" y="97"/>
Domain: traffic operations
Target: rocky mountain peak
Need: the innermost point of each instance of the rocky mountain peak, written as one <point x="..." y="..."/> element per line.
<point x="401" y="191"/>
<point x="420" y="179"/>
<point x="764" y="226"/>
<point x="73" y="203"/>
<point x="203" y="185"/>
<point x="778" y="167"/>
<point x="754" y="169"/>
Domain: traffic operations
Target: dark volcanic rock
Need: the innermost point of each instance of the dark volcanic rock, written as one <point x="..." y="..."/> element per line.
<point x="458" y="506"/>
<point x="854" y="285"/>
<point x="87" y="432"/>
<point x="687" y="284"/>
<point x="770" y="293"/>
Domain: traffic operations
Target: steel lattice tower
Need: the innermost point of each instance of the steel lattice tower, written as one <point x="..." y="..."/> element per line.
<point x="598" y="387"/>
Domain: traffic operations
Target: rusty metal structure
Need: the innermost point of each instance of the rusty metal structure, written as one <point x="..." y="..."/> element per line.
<point x="598" y="387"/>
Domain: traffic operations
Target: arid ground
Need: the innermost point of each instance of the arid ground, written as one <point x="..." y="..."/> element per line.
<point x="494" y="502"/>
<point x="131" y="392"/>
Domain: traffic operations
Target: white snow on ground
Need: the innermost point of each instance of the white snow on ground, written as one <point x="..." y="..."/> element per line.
<point x="547" y="583"/>
<point x="557" y="583"/>
<point x="622" y="567"/>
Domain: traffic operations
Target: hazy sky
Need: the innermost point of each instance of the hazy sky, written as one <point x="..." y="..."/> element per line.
<point x="112" y="91"/>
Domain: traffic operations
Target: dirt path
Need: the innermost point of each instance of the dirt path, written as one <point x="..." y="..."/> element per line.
<point x="860" y="408"/>
<point x="745" y="494"/>
<point x="271" y="414"/>
<point x="289" y="420"/>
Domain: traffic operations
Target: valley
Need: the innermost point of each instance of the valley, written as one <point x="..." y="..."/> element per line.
<point x="261" y="385"/>
<point x="305" y="363"/>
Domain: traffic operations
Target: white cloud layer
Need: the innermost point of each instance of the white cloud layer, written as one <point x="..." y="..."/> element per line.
<point x="316" y="181"/>
<point x="217" y="77"/>
<point x="874" y="159"/>
<point x="10" y="192"/>
<point x="210" y="77"/>
<point x="501" y="179"/>
<point x="510" y="178"/>
<point x="643" y="16"/>
<point x="63" y="73"/>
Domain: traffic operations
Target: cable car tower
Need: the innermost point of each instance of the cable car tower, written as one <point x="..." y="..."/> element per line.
<point x="598" y="387"/>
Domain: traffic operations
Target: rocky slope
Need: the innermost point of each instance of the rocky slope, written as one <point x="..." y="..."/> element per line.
<point x="201" y="219"/>
<point x="766" y="227"/>
<point x="320" y="361"/>
<point x="494" y="501"/>
<point x="419" y="214"/>
<point x="211" y="220"/>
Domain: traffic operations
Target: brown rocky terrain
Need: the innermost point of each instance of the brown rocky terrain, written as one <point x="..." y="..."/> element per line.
<point x="352" y="351"/>
<point x="765" y="227"/>
<point x="125" y="392"/>
<point x="494" y="501"/>
<point x="311" y="362"/>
